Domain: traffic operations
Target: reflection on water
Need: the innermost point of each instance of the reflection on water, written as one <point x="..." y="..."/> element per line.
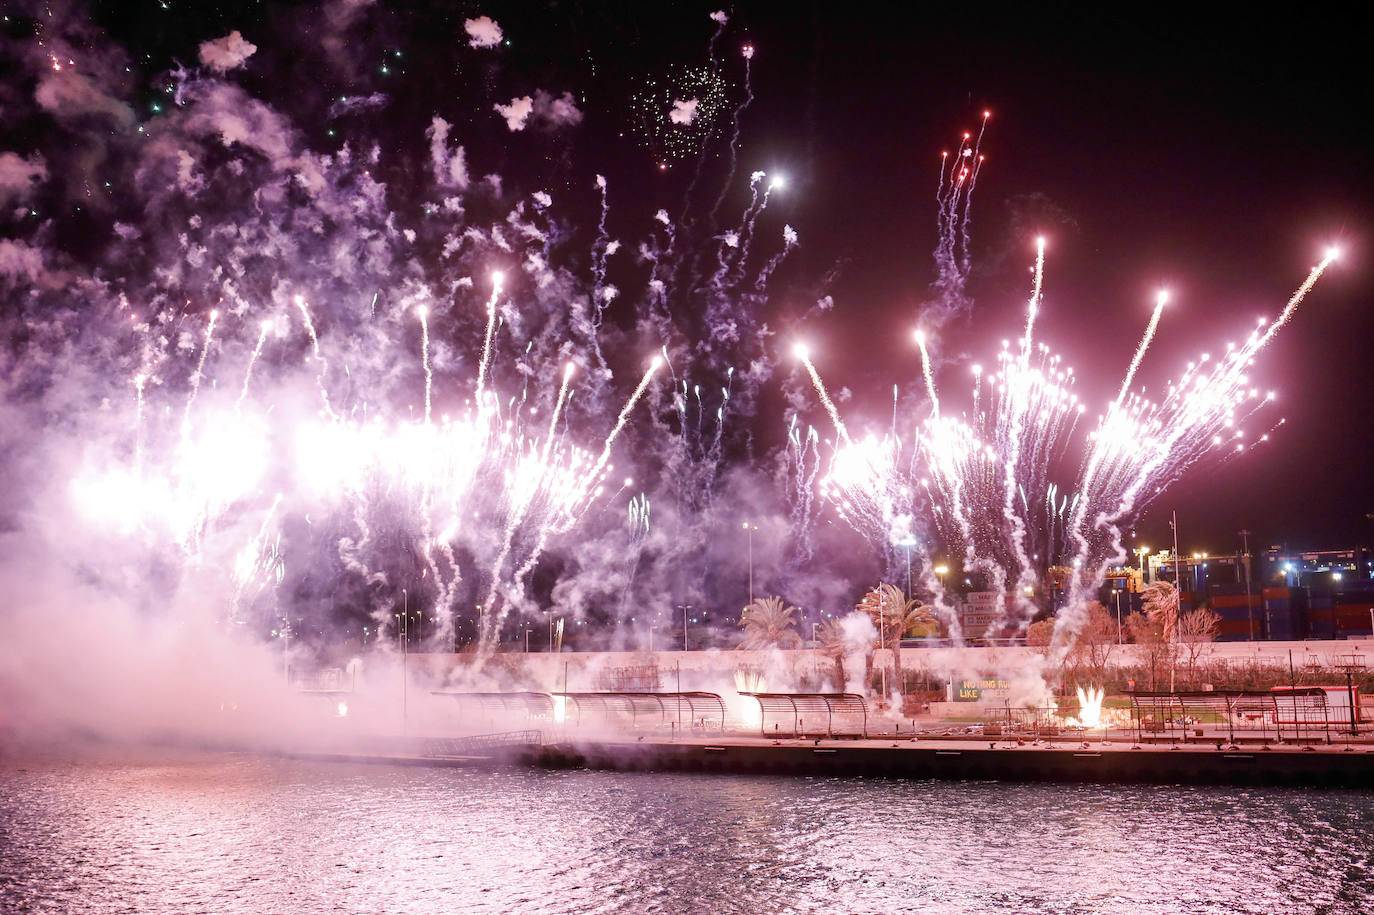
<point x="241" y="833"/>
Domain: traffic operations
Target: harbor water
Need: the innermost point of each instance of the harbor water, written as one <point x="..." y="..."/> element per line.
<point x="143" y="831"/>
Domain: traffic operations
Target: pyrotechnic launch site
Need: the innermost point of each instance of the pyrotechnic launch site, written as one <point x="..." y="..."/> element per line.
<point x="532" y="425"/>
<point x="572" y="457"/>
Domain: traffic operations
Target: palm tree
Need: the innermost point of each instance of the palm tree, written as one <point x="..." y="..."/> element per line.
<point x="893" y="616"/>
<point x="768" y="623"/>
<point x="831" y="644"/>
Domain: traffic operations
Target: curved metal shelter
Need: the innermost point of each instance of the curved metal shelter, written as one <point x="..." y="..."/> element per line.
<point x="845" y="714"/>
<point x="689" y="710"/>
<point x="1292" y="713"/>
<point x="529" y="705"/>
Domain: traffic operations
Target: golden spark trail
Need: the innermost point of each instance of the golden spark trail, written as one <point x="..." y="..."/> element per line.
<point x="557" y="409"/>
<point x="195" y="377"/>
<point x="485" y="364"/>
<point x="490" y="632"/>
<point x="1144" y="345"/>
<point x="315" y="343"/>
<point x="424" y="356"/>
<point x="1297" y="298"/>
<point x="1033" y="307"/>
<point x="624" y="416"/>
<point x="252" y="361"/>
<point x="139" y="381"/>
<point x="309" y="324"/>
<point x="930" y="376"/>
<point x="805" y="356"/>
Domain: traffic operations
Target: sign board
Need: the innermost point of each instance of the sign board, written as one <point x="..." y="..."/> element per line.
<point x="984" y="689"/>
<point x="981" y="610"/>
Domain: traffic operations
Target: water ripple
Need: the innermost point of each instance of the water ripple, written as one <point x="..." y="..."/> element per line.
<point x="232" y="833"/>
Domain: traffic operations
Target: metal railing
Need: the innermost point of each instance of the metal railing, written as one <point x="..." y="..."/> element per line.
<point x="1301" y="714"/>
<point x="480" y="744"/>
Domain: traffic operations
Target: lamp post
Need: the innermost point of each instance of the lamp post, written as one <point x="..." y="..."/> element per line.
<point x="882" y="642"/>
<point x="749" y="529"/>
<point x="940" y="571"/>
<point x="1178" y="594"/>
<point x="684" y="608"/>
<point x="1245" y="566"/>
<point x="527" y="639"/>
<point x="908" y="542"/>
<point x="1117" y="594"/>
<point x="401" y="633"/>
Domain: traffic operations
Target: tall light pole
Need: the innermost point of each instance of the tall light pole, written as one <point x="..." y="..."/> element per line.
<point x="749" y="529"/>
<point x="1117" y="595"/>
<point x="1178" y="595"/>
<point x="882" y="641"/>
<point x="908" y="542"/>
<point x="1245" y="565"/>
<point x="401" y="633"/>
<point x="684" y="608"/>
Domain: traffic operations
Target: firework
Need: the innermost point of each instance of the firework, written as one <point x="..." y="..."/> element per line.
<point x="680" y="112"/>
<point x="983" y="483"/>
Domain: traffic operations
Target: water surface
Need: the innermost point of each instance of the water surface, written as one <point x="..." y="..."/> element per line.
<point x="182" y="832"/>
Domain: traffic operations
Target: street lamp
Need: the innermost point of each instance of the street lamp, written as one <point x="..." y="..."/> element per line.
<point x="908" y="542"/>
<point x="941" y="570"/>
<point x="1245" y="570"/>
<point x="286" y="649"/>
<point x="684" y="608"/>
<point x="527" y="639"/>
<point x="749" y="529"/>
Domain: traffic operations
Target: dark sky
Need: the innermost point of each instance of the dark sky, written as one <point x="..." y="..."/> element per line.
<point x="1218" y="158"/>
<point x="1215" y="159"/>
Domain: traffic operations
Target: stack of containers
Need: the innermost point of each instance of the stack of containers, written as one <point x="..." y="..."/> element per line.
<point x="1353" y="606"/>
<point x="1280" y="614"/>
<point x="1321" y="615"/>
<point x="1230" y="603"/>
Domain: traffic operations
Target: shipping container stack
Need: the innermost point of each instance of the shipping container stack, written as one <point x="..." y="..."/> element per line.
<point x="1321" y="614"/>
<point x="1284" y="612"/>
<point x="1238" y="612"/>
<point x="1353" y="604"/>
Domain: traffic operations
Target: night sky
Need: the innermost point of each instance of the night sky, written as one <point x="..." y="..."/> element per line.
<point x="1217" y="159"/>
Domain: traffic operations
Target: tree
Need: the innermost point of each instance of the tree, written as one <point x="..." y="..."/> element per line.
<point x="768" y="623"/>
<point x="1160" y="600"/>
<point x="1155" y="651"/>
<point x="1195" y="630"/>
<point x="1094" y="643"/>
<point x="1039" y="634"/>
<point x="830" y="642"/>
<point x="893" y="615"/>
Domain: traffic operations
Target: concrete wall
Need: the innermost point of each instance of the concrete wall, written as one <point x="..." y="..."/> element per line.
<point x="582" y="671"/>
<point x="781" y="670"/>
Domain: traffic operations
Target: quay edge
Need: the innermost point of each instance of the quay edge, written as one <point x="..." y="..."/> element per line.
<point x="1323" y="766"/>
